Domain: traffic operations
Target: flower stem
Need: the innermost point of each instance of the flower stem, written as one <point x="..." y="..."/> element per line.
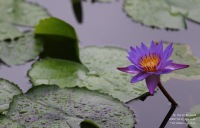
<point x="166" y="94"/>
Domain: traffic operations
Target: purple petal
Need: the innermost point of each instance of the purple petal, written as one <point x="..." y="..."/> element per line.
<point x="133" y="50"/>
<point x="167" y="55"/>
<point x="131" y="54"/>
<point x="152" y="82"/>
<point x="159" y="66"/>
<point x="169" y="47"/>
<point x="139" y="77"/>
<point x="165" y="71"/>
<point x="152" y="47"/>
<point x="167" y="63"/>
<point x="159" y="48"/>
<point x="135" y="68"/>
<point x="132" y="60"/>
<point x="140" y="51"/>
<point x="174" y="66"/>
<point x="127" y="70"/>
<point x="145" y="48"/>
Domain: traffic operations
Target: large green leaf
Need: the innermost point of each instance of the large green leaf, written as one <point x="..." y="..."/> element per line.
<point x="21" y="50"/>
<point x="60" y="39"/>
<point x="7" y="91"/>
<point x="21" y="12"/>
<point x="183" y="55"/>
<point x="193" y="117"/>
<point x="8" y="31"/>
<point x="163" y="13"/>
<point x="50" y="106"/>
<point x="103" y="75"/>
<point x="54" y="26"/>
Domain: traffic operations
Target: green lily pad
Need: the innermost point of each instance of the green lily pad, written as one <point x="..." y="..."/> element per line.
<point x="21" y="50"/>
<point x="50" y="106"/>
<point x="6" y="122"/>
<point x="8" y="31"/>
<point x="193" y="117"/>
<point x="183" y="55"/>
<point x="102" y="75"/>
<point x="21" y="12"/>
<point x="7" y="91"/>
<point x="163" y="13"/>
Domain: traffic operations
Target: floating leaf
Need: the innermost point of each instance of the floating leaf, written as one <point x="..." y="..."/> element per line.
<point x="193" y="117"/>
<point x="183" y="55"/>
<point x="21" y="12"/>
<point x="51" y="106"/>
<point x="60" y="37"/>
<point x="103" y="75"/>
<point x="6" y="122"/>
<point x="163" y="13"/>
<point x="20" y="51"/>
<point x="7" y="91"/>
<point x="8" y="31"/>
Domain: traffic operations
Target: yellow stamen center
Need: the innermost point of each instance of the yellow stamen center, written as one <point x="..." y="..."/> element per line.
<point x="150" y="62"/>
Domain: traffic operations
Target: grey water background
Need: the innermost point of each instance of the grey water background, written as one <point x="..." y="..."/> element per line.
<point x="106" y="24"/>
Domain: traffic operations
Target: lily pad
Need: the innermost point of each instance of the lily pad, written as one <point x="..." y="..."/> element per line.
<point x="163" y="13"/>
<point x="50" y="106"/>
<point x="183" y="55"/>
<point x="21" y="50"/>
<point x="7" y="91"/>
<point x="193" y="117"/>
<point x="6" y="122"/>
<point x="102" y="74"/>
<point x="8" y="31"/>
<point x="21" y="12"/>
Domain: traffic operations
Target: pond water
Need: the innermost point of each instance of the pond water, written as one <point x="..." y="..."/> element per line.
<point x="106" y="24"/>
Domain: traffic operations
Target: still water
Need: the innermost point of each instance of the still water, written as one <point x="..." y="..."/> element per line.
<point x="106" y="24"/>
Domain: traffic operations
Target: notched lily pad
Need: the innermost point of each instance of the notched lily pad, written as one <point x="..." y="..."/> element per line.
<point x="21" y="50"/>
<point x="183" y="55"/>
<point x="7" y="91"/>
<point x="193" y="117"/>
<point x="102" y="74"/>
<point x="50" y="106"/>
<point x="158" y="12"/>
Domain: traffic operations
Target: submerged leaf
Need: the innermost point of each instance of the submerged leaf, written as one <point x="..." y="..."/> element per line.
<point x="193" y="117"/>
<point x="50" y="106"/>
<point x="163" y="13"/>
<point x="7" y="91"/>
<point x="21" y="12"/>
<point x="8" y="31"/>
<point x="183" y="55"/>
<point x="103" y="75"/>
<point x="21" y="50"/>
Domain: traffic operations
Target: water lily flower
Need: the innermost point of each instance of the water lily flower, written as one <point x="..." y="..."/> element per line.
<point x="150" y="63"/>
